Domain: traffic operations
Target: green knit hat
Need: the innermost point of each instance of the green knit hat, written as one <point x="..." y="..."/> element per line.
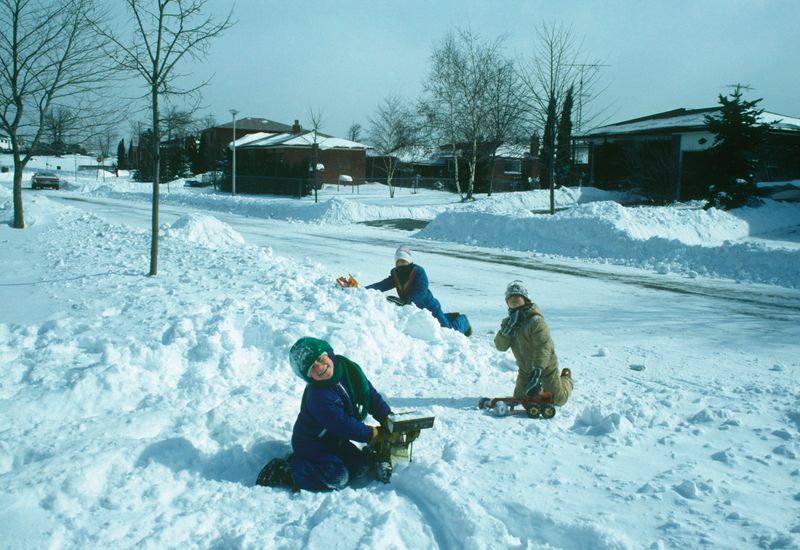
<point x="304" y="352"/>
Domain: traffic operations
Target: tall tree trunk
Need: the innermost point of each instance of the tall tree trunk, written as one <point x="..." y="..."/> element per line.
<point x="389" y="174"/>
<point x="473" y="167"/>
<point x="491" y="173"/>
<point x="19" y="219"/>
<point x="455" y="167"/>
<point x="156" y="177"/>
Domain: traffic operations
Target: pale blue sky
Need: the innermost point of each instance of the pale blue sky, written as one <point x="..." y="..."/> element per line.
<point x="342" y="58"/>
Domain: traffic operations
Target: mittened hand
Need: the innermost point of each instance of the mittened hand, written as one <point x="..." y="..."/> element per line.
<point x="347" y="282"/>
<point x="509" y="323"/>
<point x="379" y="435"/>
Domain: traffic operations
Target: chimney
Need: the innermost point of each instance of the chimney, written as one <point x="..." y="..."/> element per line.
<point x="296" y="128"/>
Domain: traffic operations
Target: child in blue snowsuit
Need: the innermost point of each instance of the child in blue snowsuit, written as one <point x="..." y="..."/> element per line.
<point x="411" y="283"/>
<point x="335" y="404"/>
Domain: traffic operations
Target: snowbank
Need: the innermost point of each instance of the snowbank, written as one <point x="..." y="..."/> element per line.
<point x="204" y="230"/>
<point x="684" y="240"/>
<point x="137" y="411"/>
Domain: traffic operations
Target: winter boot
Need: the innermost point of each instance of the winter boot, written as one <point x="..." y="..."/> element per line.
<point x="534" y="385"/>
<point x="277" y="473"/>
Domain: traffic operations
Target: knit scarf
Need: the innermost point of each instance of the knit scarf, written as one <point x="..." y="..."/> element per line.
<point x="351" y="376"/>
<point x="519" y="310"/>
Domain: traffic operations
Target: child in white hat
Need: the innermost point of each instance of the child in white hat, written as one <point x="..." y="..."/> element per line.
<point x="411" y="283"/>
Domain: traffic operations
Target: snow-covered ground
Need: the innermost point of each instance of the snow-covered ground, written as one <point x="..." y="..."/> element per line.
<point x="138" y="410"/>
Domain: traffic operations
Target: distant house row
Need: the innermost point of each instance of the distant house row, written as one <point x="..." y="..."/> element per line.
<point x="270" y="153"/>
<point x="665" y="155"/>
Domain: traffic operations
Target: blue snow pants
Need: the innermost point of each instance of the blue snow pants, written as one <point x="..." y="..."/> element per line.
<point x="459" y="323"/>
<point x="347" y="462"/>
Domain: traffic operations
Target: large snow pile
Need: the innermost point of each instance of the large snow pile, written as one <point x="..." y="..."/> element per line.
<point x="342" y="205"/>
<point x="137" y="411"/>
<point x="683" y="240"/>
<point x="205" y="230"/>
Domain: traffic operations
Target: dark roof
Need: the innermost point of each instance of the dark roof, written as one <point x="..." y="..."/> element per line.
<point x="668" y="114"/>
<point x="680" y="121"/>
<point x="258" y="125"/>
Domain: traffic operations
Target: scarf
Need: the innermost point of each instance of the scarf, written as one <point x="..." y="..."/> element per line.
<point x="306" y="350"/>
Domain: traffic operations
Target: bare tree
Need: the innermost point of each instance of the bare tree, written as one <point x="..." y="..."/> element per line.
<point x="60" y="123"/>
<point x="104" y="143"/>
<point x="458" y="93"/>
<point x="316" y="117"/>
<point x="166" y="32"/>
<point x="391" y="129"/>
<point x="506" y="108"/>
<point x="49" y="55"/>
<point x="440" y="105"/>
<point x="176" y="123"/>
<point x="354" y="132"/>
<point x="556" y="64"/>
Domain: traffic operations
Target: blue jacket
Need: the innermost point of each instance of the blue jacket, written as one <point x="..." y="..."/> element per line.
<point x="412" y="286"/>
<point x="327" y="419"/>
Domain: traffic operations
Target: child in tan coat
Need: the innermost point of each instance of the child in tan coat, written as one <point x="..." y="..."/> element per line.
<point x="528" y="336"/>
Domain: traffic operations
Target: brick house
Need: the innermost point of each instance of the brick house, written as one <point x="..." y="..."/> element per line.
<point x="412" y="162"/>
<point x="277" y="162"/>
<point x="666" y="155"/>
<point x="516" y="168"/>
<point x="214" y="140"/>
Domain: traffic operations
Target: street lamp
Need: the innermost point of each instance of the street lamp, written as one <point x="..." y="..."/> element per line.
<point x="234" y="112"/>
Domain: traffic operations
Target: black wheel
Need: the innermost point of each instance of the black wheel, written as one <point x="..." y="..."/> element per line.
<point x="533" y="411"/>
<point x="548" y="411"/>
<point x="483" y="403"/>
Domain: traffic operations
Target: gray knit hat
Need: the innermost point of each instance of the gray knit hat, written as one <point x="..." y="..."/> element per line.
<point x="518" y="289"/>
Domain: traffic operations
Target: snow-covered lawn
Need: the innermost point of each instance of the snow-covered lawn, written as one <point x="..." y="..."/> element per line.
<point x="138" y="410"/>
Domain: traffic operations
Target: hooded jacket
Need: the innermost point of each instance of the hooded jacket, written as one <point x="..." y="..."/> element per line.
<point x="532" y="346"/>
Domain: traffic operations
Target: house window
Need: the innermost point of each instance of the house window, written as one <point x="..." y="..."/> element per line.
<point x="512" y="167"/>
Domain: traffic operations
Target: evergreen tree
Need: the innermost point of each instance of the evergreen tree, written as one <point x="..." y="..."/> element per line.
<point x="144" y="170"/>
<point x="122" y="162"/>
<point x="547" y="156"/>
<point x="130" y="160"/>
<point x="563" y="169"/>
<point x="738" y="136"/>
<point x="199" y="160"/>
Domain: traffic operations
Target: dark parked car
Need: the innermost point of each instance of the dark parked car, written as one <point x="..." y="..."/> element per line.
<point x="40" y="180"/>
